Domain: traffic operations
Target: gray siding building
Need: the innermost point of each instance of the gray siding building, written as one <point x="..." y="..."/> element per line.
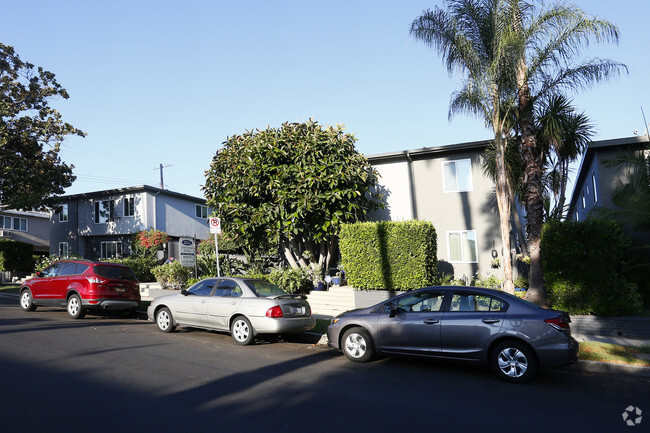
<point x="29" y="227"/>
<point x="101" y="224"/>
<point x="446" y="185"/>
<point x="596" y="182"/>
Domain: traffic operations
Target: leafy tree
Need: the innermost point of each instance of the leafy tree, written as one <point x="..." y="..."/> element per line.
<point x="31" y="133"/>
<point x="292" y="186"/>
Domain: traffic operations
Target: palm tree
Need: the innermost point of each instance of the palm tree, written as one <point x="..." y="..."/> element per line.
<point x="472" y="37"/>
<point x="547" y="46"/>
<point x="563" y="135"/>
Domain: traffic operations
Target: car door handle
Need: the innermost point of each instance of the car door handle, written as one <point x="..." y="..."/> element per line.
<point x="490" y="320"/>
<point x="431" y="321"/>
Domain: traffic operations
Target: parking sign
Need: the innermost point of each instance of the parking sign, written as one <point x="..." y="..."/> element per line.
<point x="215" y="225"/>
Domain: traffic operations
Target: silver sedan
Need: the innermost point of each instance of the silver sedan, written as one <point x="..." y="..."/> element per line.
<point x="511" y="335"/>
<point x="243" y="307"/>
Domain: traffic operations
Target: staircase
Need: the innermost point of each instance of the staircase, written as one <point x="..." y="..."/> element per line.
<point x="333" y="301"/>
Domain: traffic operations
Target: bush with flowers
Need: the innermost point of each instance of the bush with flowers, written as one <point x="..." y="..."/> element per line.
<point x="147" y="242"/>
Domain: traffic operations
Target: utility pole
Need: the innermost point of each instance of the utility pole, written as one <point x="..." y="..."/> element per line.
<point x="161" y="167"/>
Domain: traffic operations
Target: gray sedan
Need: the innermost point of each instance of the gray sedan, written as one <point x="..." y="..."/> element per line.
<point x="244" y="307"/>
<point x="487" y="326"/>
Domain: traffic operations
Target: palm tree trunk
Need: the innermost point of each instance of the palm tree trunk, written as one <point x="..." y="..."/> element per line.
<point x="503" y="203"/>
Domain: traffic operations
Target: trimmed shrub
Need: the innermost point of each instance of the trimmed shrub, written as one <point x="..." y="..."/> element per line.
<point x="584" y="267"/>
<point x="172" y="275"/>
<point x="291" y="280"/>
<point x="389" y="255"/>
<point x="141" y="266"/>
<point x="16" y="256"/>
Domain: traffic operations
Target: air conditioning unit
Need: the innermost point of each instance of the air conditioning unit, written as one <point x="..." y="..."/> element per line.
<point x="6" y="233"/>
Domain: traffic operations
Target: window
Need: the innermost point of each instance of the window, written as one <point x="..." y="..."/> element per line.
<point x="227" y="288"/>
<point x="111" y="249"/>
<point x="593" y="186"/>
<point x="201" y="211"/>
<point x="104" y="211"/>
<point x="418" y="302"/>
<point x="6" y="222"/>
<point x="64" y="249"/>
<point x="51" y="271"/>
<point x="582" y="199"/>
<point x="68" y="269"/>
<point x="20" y="224"/>
<point x="63" y="213"/>
<point x="457" y="175"/>
<point x="462" y="246"/>
<point x="202" y="288"/>
<point x="475" y="302"/>
<point x="129" y="206"/>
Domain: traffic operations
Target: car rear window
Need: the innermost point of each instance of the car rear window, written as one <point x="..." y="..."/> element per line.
<point x="264" y="288"/>
<point x="114" y="272"/>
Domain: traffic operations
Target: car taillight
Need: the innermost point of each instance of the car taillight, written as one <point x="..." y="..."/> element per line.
<point x="558" y="323"/>
<point x="95" y="280"/>
<point x="274" y="312"/>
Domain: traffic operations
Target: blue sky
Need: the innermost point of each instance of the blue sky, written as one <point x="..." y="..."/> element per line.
<point x="162" y="82"/>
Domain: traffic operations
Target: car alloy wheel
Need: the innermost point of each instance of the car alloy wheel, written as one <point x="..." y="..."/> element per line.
<point x="26" y="301"/>
<point x="514" y="362"/>
<point x="75" y="309"/>
<point x="357" y="345"/>
<point x="164" y="320"/>
<point x="242" y="331"/>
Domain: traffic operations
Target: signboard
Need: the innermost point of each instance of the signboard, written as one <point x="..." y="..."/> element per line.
<point x="187" y="248"/>
<point x="215" y="225"/>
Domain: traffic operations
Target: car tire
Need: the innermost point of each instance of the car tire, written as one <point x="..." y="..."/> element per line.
<point x="357" y="345"/>
<point x="27" y="301"/>
<point x="242" y="331"/>
<point x="75" y="309"/>
<point x="514" y="362"/>
<point x="165" y="320"/>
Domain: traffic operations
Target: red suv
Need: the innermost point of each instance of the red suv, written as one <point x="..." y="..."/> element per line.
<point x="80" y="285"/>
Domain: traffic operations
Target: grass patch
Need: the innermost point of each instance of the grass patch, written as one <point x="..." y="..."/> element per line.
<point x="604" y="352"/>
<point x="9" y="288"/>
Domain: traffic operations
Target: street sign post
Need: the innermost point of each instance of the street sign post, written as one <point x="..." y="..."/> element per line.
<point x="215" y="227"/>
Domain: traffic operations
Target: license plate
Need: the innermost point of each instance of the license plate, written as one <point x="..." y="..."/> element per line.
<point x="120" y="289"/>
<point x="297" y="310"/>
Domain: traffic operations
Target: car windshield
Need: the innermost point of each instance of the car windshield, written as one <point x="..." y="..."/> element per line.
<point x="264" y="288"/>
<point x="114" y="272"/>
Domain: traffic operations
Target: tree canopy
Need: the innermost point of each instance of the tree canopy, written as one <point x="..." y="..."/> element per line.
<point x="31" y="133"/>
<point x="292" y="186"/>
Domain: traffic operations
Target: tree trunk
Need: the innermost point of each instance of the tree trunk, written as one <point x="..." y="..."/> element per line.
<point x="503" y="203"/>
<point x="288" y="254"/>
<point x="533" y="171"/>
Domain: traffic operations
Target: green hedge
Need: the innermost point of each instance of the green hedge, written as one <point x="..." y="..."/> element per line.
<point x="585" y="265"/>
<point x="389" y="255"/>
<point x="16" y="256"/>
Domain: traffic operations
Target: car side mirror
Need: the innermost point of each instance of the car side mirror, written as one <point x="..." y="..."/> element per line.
<point x="393" y="311"/>
<point x="184" y="292"/>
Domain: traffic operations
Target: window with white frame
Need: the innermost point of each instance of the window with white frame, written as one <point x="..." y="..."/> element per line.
<point x="63" y="213"/>
<point x="129" y="206"/>
<point x="104" y="211"/>
<point x="19" y="224"/>
<point x="462" y="246"/>
<point x="457" y="175"/>
<point x="64" y="250"/>
<point x="593" y="186"/>
<point x="111" y="249"/>
<point x="6" y="222"/>
<point x="201" y="211"/>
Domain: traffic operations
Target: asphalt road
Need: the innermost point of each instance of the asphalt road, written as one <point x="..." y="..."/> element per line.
<point x="113" y="374"/>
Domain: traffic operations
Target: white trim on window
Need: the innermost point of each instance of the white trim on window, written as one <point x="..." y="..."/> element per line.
<point x="462" y="246"/>
<point x="457" y="176"/>
<point x="201" y="211"/>
<point x="63" y="213"/>
<point x="129" y="207"/>
<point x="111" y="249"/>
<point x="104" y="211"/>
<point x="64" y="250"/>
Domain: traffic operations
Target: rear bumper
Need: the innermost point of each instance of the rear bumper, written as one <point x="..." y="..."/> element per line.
<point x="268" y="325"/>
<point x="560" y="353"/>
<point x="111" y="304"/>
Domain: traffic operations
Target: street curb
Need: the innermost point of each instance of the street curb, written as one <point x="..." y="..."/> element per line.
<point x="608" y="368"/>
<point x="9" y="296"/>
